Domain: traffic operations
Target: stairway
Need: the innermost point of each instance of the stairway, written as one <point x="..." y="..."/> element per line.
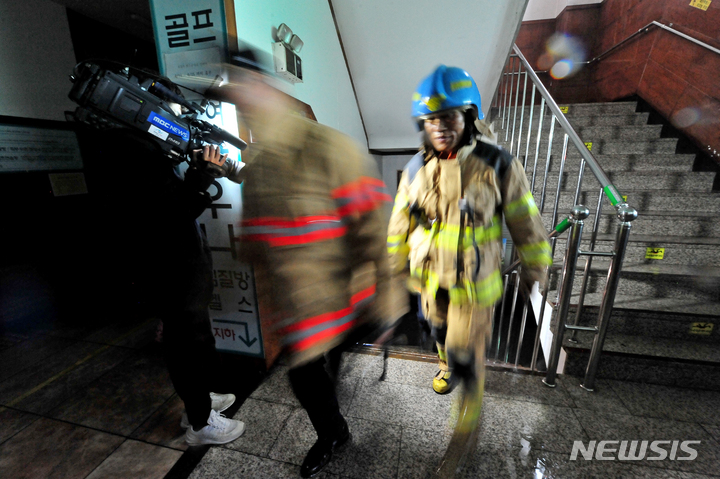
<point x="665" y="324"/>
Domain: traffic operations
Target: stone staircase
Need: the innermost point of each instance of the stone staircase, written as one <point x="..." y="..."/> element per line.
<point x="660" y="329"/>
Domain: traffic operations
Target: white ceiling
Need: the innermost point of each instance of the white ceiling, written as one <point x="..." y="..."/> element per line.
<point x="390" y="46"/>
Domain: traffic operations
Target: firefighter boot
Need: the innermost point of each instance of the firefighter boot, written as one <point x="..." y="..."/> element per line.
<point x="442" y="382"/>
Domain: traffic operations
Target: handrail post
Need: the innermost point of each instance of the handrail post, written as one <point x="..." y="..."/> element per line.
<point x="626" y="215"/>
<point x="579" y="213"/>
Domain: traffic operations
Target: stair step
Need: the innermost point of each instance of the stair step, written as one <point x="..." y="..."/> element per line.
<point x="684" y="289"/>
<point x="695" y="225"/>
<point x="665" y="200"/>
<point x="577" y="110"/>
<point x="587" y="134"/>
<point x="641" y="180"/>
<point x="624" y="119"/>
<point x="661" y="163"/>
<point x="606" y="147"/>
<point x="668" y="362"/>
<point x="657" y="324"/>
<point x="699" y="251"/>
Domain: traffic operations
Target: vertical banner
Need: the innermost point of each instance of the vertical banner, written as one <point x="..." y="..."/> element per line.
<point x="191" y="39"/>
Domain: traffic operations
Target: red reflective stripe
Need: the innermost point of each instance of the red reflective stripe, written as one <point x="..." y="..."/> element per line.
<point x="288" y="223"/>
<point x="308" y="323"/>
<point x="315" y="236"/>
<point x="364" y="294"/>
<point x="322" y="335"/>
<point x="348" y="189"/>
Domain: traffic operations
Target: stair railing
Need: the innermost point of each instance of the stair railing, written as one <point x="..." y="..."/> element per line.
<point x="517" y="70"/>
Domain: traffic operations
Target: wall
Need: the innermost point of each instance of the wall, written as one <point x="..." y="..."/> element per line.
<point x="326" y="88"/>
<point x="676" y="77"/>
<point x="35" y="60"/>
<point x="550" y="9"/>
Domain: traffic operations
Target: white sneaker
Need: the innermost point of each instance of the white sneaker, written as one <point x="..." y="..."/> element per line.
<point x="220" y="402"/>
<point x="219" y="430"/>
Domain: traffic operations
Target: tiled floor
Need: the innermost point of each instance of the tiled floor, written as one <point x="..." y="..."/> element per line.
<point x="97" y="403"/>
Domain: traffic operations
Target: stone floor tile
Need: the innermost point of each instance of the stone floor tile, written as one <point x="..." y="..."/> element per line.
<point x="713" y="430"/>
<point x="524" y="387"/>
<point x="221" y="463"/>
<point x="134" y="334"/>
<point x="137" y="459"/>
<point x="295" y="439"/>
<point x="122" y="400"/>
<point x="603" y="398"/>
<point x="618" y="427"/>
<point x="53" y="382"/>
<point x="651" y="400"/>
<point x="13" y="421"/>
<point x="27" y="354"/>
<point x="512" y="423"/>
<point x="54" y="449"/>
<point x="263" y="423"/>
<point x="163" y="426"/>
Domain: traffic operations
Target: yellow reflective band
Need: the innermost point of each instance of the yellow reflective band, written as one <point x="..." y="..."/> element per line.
<point x="483" y="293"/>
<point x="447" y="237"/>
<point x="435" y="102"/>
<point x="535" y="254"/>
<point x="460" y="84"/>
<point x="521" y="208"/>
<point x="403" y="249"/>
<point x="489" y="289"/>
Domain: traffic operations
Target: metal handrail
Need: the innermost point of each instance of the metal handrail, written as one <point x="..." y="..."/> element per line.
<point x="610" y="190"/>
<point x="509" y="89"/>
<point x="644" y="30"/>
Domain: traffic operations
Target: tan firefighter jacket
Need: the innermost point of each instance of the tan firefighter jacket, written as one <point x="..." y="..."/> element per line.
<point x="312" y="220"/>
<point x="461" y="252"/>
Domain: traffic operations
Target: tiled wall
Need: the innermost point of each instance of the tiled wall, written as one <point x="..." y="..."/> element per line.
<point x="679" y="79"/>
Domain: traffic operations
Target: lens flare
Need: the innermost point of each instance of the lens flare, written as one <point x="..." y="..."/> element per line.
<point x="563" y="57"/>
<point x="561" y="69"/>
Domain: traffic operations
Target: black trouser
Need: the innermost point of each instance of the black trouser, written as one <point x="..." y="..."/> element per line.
<point x="316" y="392"/>
<point x="192" y="361"/>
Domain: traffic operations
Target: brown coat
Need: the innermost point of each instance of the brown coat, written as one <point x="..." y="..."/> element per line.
<point x="492" y="184"/>
<point x="312" y="220"/>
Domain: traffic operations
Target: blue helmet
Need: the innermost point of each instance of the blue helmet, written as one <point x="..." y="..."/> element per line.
<point x="446" y="88"/>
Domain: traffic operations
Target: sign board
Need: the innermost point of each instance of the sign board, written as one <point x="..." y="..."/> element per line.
<point x="588" y="144"/>
<point x="701" y="4"/>
<point x="704" y="329"/>
<point x="654" y="253"/>
<point x="25" y="148"/>
<point x="191" y="38"/>
<point x="564" y="109"/>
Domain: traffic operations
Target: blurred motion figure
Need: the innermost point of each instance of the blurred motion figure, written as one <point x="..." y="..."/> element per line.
<point x="447" y="221"/>
<point x="314" y="231"/>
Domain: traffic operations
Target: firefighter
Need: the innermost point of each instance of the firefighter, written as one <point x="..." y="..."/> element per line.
<point x="313" y="227"/>
<point x="447" y="221"/>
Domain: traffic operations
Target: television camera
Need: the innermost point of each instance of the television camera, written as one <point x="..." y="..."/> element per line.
<point x="136" y="99"/>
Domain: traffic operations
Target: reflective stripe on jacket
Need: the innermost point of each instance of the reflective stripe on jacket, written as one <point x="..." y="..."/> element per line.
<point x="493" y="184"/>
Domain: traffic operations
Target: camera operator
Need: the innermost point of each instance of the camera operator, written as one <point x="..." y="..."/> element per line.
<point x="153" y="210"/>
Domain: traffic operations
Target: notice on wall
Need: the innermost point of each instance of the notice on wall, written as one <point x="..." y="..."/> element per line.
<point x="654" y="253"/>
<point x="26" y="148"/>
<point x="564" y="109"/>
<point x="588" y="144"/>
<point x="701" y="4"/>
<point x="66" y="184"/>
